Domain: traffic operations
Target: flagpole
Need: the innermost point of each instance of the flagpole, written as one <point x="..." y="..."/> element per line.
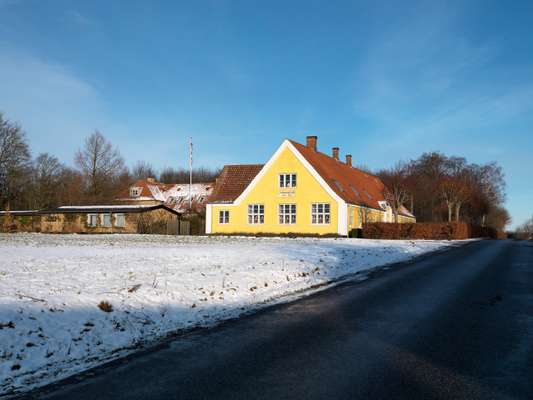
<point x="190" y="173"/>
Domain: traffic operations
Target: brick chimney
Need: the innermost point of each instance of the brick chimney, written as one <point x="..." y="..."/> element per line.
<point x="335" y="153"/>
<point x="311" y="142"/>
<point x="349" y="160"/>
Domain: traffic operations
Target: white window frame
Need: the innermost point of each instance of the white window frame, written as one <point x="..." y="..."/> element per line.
<point x="89" y="223"/>
<point x="135" y="191"/>
<point x="320" y="212"/>
<point x="117" y="216"/>
<point x="102" y="217"/>
<point x="287" y="214"/>
<point x="256" y="214"/>
<point x="287" y="181"/>
<point x="223" y="217"/>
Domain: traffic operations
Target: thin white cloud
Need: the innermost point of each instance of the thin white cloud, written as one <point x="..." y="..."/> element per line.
<point x="51" y="103"/>
<point x="419" y="78"/>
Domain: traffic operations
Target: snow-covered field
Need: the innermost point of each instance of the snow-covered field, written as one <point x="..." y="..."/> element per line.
<point x="51" y="285"/>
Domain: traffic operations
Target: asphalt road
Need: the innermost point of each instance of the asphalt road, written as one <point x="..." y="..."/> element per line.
<point x="456" y="325"/>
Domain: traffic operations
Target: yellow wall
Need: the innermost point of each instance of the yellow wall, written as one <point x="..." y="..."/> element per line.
<point x="358" y="215"/>
<point x="268" y="193"/>
<point x="406" y="220"/>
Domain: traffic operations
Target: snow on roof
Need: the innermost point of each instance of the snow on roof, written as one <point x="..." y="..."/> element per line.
<point x="175" y="196"/>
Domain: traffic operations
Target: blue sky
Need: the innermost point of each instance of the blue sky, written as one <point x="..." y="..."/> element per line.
<point x="384" y="81"/>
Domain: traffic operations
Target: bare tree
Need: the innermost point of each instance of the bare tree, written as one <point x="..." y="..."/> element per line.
<point x="100" y="164"/>
<point x="143" y="170"/>
<point x="47" y="173"/>
<point x="426" y="173"/>
<point x="14" y="163"/>
<point x="454" y="185"/>
<point x="525" y="231"/>
<point x="498" y="218"/>
<point x="396" y="187"/>
<point x="70" y="187"/>
<point x="181" y="175"/>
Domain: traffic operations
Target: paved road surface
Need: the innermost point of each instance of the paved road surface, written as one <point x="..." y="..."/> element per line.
<point x="457" y="325"/>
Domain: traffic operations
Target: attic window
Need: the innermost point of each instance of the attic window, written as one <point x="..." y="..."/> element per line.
<point x="135" y="191"/>
<point x="339" y="186"/>
<point x="356" y="192"/>
<point x="287" y="180"/>
<point x="383" y="205"/>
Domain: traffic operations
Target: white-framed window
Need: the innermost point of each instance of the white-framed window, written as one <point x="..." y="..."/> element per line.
<point x="135" y="191"/>
<point x="287" y="180"/>
<point x="106" y="220"/>
<point x="287" y="213"/>
<point x="223" y="217"/>
<point x="92" y="220"/>
<point x="320" y="213"/>
<point x="120" y="220"/>
<point x="256" y="214"/>
<point x="383" y="204"/>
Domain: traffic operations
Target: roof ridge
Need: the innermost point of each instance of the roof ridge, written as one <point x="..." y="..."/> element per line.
<point x="334" y="159"/>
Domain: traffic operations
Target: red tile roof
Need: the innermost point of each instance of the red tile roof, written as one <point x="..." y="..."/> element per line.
<point x="232" y="181"/>
<point x="351" y="184"/>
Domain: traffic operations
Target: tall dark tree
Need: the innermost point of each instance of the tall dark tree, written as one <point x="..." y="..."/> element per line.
<point x="15" y="165"/>
<point x="47" y="174"/>
<point x="427" y="173"/>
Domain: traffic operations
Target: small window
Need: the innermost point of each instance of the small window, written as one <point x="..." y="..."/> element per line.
<point x="120" y="220"/>
<point x="135" y="191"/>
<point x="256" y="214"/>
<point x="106" y="220"/>
<point x="320" y="213"/>
<point x="92" y="220"/>
<point x="287" y="180"/>
<point x="223" y="217"/>
<point x="287" y="213"/>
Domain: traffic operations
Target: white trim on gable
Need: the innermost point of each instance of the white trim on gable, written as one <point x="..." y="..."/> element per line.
<point x="342" y="213"/>
<point x="261" y="173"/>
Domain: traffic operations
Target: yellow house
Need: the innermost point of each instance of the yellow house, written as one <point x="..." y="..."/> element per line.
<point x="299" y="190"/>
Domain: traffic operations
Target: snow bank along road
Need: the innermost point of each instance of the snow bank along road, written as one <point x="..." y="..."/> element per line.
<point x="456" y="325"/>
<point x="50" y="286"/>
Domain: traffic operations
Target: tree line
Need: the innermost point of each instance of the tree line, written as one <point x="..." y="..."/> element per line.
<point x="434" y="187"/>
<point x="99" y="172"/>
<point x="438" y="188"/>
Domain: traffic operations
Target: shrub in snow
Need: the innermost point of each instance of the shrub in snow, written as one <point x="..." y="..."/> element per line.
<point x="105" y="306"/>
